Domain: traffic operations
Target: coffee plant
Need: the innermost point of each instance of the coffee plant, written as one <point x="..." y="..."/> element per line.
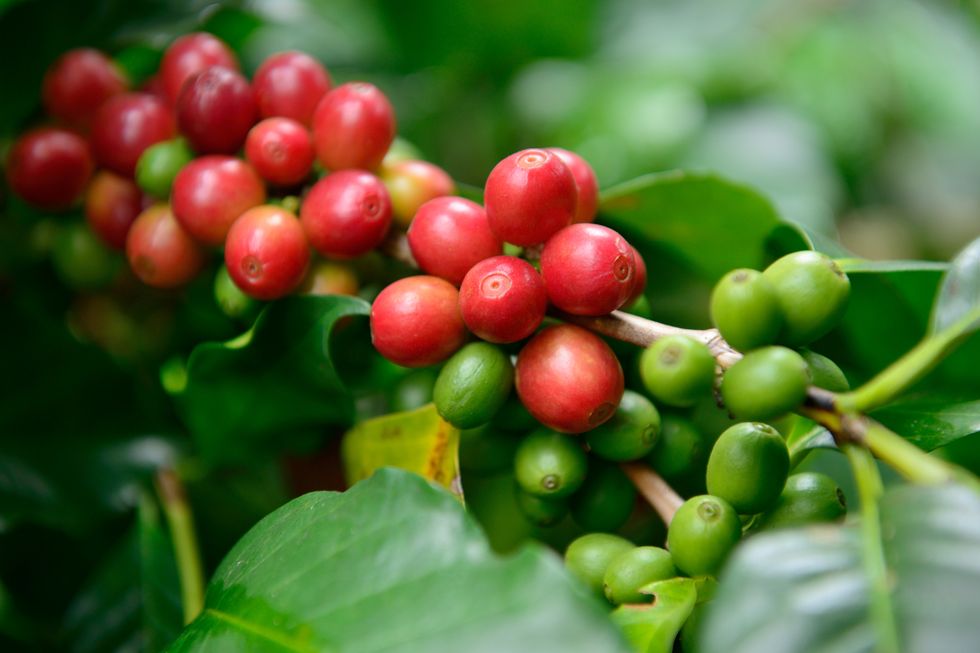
<point x="344" y="402"/>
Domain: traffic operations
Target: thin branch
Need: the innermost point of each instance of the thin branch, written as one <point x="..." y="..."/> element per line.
<point x="181" y="523"/>
<point x="654" y="489"/>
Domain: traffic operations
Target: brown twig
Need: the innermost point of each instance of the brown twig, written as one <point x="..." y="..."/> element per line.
<point x="654" y="489"/>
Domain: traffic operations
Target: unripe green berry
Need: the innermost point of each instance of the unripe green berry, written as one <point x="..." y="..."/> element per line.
<point x="550" y="464"/>
<point x="82" y="260"/>
<point x="677" y="370"/>
<point x="824" y="372"/>
<point x="231" y="300"/>
<point x="678" y="449"/>
<point x="588" y="557"/>
<point x="766" y="383"/>
<point x="812" y="291"/>
<point x="486" y="450"/>
<point x="541" y="511"/>
<point x="605" y="500"/>
<point x="702" y="533"/>
<point x="413" y="390"/>
<point x="748" y="467"/>
<point x="473" y="385"/>
<point x="629" y="434"/>
<point x="159" y="164"/>
<point x="807" y="498"/>
<point x="632" y="570"/>
<point x="745" y="309"/>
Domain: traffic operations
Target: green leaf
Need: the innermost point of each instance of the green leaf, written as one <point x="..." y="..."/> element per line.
<point x="861" y="266"/>
<point x="931" y="421"/>
<point x="652" y="627"/>
<point x="958" y="303"/>
<point x="805" y="436"/>
<point x="273" y="389"/>
<point x="805" y="589"/>
<point x="393" y="564"/>
<point x="418" y="441"/>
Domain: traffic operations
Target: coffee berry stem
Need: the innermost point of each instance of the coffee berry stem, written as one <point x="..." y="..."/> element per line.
<point x="187" y="555"/>
<point x="657" y="492"/>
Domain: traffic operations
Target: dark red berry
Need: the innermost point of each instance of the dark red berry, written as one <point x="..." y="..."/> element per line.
<point x="280" y="150"/>
<point x="215" y="110"/>
<point x="353" y="127"/>
<point x="189" y="55"/>
<point x="49" y="167"/>
<point x="346" y="214"/>
<point x="154" y="86"/>
<point x="588" y="269"/>
<point x="639" y="278"/>
<point x="77" y="84"/>
<point x="210" y="193"/>
<point x="412" y="183"/>
<point x="529" y="196"/>
<point x="290" y="84"/>
<point x="585" y="181"/>
<point x="111" y="205"/>
<point x="449" y="235"/>
<point x="266" y="252"/>
<point x="415" y="321"/>
<point x="126" y="125"/>
<point x="502" y="299"/>
<point x="569" y="379"/>
<point x="160" y="252"/>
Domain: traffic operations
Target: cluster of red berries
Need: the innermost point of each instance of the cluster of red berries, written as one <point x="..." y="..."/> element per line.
<point x="199" y="157"/>
<point x="543" y="200"/>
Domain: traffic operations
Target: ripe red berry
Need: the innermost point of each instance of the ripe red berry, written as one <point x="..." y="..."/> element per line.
<point x="215" y="110"/>
<point x="411" y="184"/>
<point x="280" y="150"/>
<point x="126" y="125"/>
<point x="49" y="167"/>
<point x="210" y="192"/>
<point x="160" y="252"/>
<point x="639" y="277"/>
<point x="290" y="84"/>
<point x="569" y="379"/>
<point x="111" y="205"/>
<point x="585" y="181"/>
<point x="353" y="127"/>
<point x="449" y="235"/>
<point x="529" y="196"/>
<point x="588" y="269"/>
<point x="503" y="299"/>
<point x="266" y="252"/>
<point x="346" y="214"/>
<point x="415" y="321"/>
<point x="77" y="84"/>
<point x="189" y="55"/>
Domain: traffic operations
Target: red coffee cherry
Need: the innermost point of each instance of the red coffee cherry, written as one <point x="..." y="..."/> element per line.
<point x="346" y="214"/>
<point x="49" y="167"/>
<point x="266" y="252"/>
<point x="503" y="299"/>
<point x="415" y="321"/>
<point x="126" y="125"/>
<point x="211" y="192"/>
<point x="160" y="252"/>
<point x="215" y="110"/>
<point x="585" y="181"/>
<point x="290" y="84"/>
<point x="280" y="150"/>
<point x="529" y="196"/>
<point x="77" y="84"/>
<point x="189" y="55"/>
<point x="353" y="127"/>
<point x="154" y="86"/>
<point x="639" y="277"/>
<point x="569" y="379"/>
<point x="111" y="205"/>
<point x="449" y="235"/>
<point x="588" y="269"/>
<point x="411" y="184"/>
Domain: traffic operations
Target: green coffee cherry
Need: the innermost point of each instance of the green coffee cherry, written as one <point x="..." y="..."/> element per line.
<point x="159" y="164"/>
<point x="550" y="464"/>
<point x="745" y="309"/>
<point x="748" y="467"/>
<point x="473" y="385"/>
<point x="486" y="450"/>
<point x="678" y="449"/>
<point x="812" y="291"/>
<point x="541" y="511"/>
<point x="824" y="372"/>
<point x="701" y="535"/>
<point x="588" y="557"/>
<point x="605" y="500"/>
<point x="231" y="300"/>
<point x="766" y="383"/>
<point x="807" y="498"/>
<point x="634" y="569"/>
<point x="630" y="434"/>
<point x="677" y="370"/>
<point x="413" y="390"/>
<point x="81" y="260"/>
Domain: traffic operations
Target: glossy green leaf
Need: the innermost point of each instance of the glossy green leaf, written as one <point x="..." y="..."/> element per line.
<point x="393" y="564"/>
<point x="931" y="421"/>
<point x="275" y="388"/>
<point x="805" y="436"/>
<point x="653" y="627"/>
<point x="805" y="590"/>
<point x="958" y="303"/>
